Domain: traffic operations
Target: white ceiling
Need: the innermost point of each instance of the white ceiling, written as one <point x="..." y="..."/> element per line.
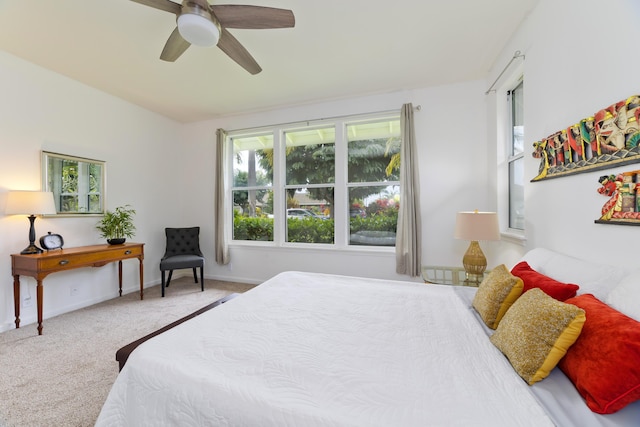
<point x="338" y="48"/>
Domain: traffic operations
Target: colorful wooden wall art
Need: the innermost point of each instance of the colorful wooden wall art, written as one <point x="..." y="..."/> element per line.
<point x="609" y="138"/>
<point x="623" y="206"/>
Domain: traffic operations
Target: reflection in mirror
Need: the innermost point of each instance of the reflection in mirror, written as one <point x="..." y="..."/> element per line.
<point x="77" y="183"/>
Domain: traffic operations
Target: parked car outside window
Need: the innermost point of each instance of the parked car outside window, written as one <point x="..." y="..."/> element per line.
<point x="301" y="213"/>
<point x="357" y="212"/>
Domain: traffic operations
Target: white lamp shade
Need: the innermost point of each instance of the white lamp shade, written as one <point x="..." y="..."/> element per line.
<point x="30" y="203"/>
<point x="477" y="226"/>
<point x="198" y="30"/>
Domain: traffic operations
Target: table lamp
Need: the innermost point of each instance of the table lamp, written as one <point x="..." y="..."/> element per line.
<point x="30" y="203"/>
<point x="475" y="226"/>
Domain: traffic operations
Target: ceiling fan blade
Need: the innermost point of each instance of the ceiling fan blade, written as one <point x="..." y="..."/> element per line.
<point x="253" y="17"/>
<point x="232" y="47"/>
<point x="174" y="47"/>
<point x="166" y="5"/>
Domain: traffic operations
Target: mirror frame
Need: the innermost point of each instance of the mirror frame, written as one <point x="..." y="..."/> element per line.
<point x="48" y="178"/>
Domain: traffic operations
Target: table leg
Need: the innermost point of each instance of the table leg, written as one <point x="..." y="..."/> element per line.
<point x="16" y="298"/>
<point x="39" y="293"/>
<point x="120" y="276"/>
<point x="141" y="278"/>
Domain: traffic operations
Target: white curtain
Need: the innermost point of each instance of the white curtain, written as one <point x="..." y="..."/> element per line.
<point x="222" y="249"/>
<point x="408" y="247"/>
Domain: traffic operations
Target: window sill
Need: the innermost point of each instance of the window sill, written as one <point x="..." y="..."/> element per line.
<point x="312" y="247"/>
<point x="514" y="236"/>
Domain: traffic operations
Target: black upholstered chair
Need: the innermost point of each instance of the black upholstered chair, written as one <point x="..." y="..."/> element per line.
<point x="183" y="251"/>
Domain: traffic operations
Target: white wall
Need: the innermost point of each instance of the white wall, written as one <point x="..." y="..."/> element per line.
<point x="41" y="110"/>
<point x="581" y="56"/>
<point x="450" y="130"/>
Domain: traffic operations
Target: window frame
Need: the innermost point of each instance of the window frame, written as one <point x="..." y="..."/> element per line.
<point x="52" y="178"/>
<point x="340" y="184"/>
<point x="503" y="135"/>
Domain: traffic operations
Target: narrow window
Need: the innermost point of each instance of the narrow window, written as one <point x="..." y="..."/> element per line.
<point x="373" y="182"/>
<point x="252" y="192"/>
<point x="516" y="159"/>
<point x="309" y="186"/>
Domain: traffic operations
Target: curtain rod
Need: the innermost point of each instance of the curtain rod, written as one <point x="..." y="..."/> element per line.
<point x="516" y="55"/>
<point x="308" y="122"/>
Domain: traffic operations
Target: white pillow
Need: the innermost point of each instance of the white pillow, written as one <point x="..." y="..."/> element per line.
<point x="592" y="277"/>
<point x="626" y="296"/>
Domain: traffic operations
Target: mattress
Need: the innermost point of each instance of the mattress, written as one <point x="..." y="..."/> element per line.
<point x="306" y="349"/>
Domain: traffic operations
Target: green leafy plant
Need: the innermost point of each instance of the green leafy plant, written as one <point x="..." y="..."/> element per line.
<point x="310" y="230"/>
<point x="117" y="224"/>
<point x="247" y="228"/>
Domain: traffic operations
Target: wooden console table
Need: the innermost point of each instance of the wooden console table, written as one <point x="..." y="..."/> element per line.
<point x="41" y="265"/>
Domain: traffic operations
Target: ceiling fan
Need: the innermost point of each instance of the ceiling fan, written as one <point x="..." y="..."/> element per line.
<point x="202" y="24"/>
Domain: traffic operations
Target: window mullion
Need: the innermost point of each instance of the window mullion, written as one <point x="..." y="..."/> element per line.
<point x="341" y="195"/>
<point x="279" y="198"/>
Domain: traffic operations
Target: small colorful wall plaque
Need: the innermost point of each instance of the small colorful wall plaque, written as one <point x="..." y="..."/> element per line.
<point x="623" y="206"/>
<point x="611" y="137"/>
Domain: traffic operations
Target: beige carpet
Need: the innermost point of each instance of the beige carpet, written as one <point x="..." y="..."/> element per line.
<point x="62" y="377"/>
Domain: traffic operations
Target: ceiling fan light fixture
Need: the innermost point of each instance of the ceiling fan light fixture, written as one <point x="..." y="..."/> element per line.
<point x="198" y="30"/>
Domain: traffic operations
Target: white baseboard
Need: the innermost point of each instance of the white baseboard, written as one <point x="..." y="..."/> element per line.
<point x="31" y="319"/>
<point x="7" y="326"/>
<point x="234" y="279"/>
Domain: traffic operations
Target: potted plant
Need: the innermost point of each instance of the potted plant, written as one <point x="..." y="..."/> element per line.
<point x="116" y="226"/>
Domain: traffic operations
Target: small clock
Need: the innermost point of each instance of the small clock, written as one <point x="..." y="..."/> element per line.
<point x="51" y="241"/>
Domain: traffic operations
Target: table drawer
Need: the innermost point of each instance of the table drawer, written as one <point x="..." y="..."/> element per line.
<point x="75" y="260"/>
<point x="121" y="252"/>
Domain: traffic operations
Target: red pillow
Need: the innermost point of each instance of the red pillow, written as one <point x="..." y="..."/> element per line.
<point x="533" y="279"/>
<point x="604" y="362"/>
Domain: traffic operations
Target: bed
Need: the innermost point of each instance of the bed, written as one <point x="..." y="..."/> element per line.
<point x="309" y="349"/>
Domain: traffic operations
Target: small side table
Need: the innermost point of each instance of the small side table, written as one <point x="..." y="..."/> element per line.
<point x="443" y="275"/>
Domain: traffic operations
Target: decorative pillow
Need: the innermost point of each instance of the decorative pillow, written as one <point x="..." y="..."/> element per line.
<point x="604" y="363"/>
<point x="495" y="295"/>
<point x="536" y="333"/>
<point x="533" y="279"/>
<point x="625" y="297"/>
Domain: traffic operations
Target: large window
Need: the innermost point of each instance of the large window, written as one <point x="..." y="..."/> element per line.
<point x="333" y="182"/>
<point x="516" y="158"/>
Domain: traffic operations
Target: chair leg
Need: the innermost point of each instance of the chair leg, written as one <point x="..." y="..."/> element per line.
<point x="162" y="274"/>
<point x="202" y="278"/>
<point x="195" y="276"/>
<point x="169" y="279"/>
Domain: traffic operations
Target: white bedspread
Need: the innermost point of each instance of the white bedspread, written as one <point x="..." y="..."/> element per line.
<point x="310" y="350"/>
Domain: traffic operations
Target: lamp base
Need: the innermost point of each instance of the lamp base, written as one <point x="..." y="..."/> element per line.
<point x="31" y="249"/>
<point x="473" y="279"/>
<point x="474" y="263"/>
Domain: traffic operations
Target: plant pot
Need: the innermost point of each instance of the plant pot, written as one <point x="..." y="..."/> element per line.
<point x="116" y="241"/>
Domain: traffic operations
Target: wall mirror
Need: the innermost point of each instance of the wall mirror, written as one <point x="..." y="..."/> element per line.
<point x="77" y="183"/>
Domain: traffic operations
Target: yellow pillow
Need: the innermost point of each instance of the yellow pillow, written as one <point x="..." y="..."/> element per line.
<point x="495" y="295"/>
<point x="536" y="333"/>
